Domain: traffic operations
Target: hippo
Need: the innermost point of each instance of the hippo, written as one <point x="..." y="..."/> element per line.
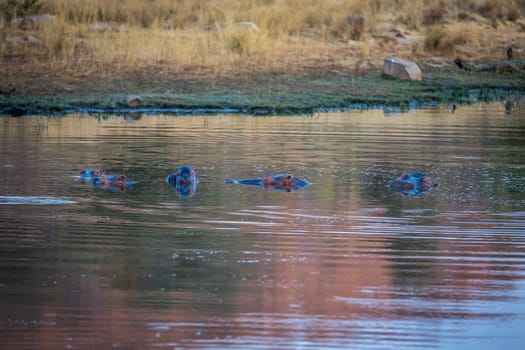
<point x="412" y="184"/>
<point x="113" y="182"/>
<point x="90" y="174"/>
<point x="270" y="182"/>
<point x="184" y="180"/>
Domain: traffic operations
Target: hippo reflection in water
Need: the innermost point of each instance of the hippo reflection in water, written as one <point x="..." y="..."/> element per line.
<point x="184" y="180"/>
<point x="412" y="184"/>
<point x="113" y="182"/>
<point x="280" y="183"/>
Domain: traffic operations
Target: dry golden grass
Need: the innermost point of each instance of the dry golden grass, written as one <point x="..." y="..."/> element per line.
<point x="204" y="37"/>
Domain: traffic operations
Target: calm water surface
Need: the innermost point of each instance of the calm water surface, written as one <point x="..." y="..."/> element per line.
<point x="343" y="263"/>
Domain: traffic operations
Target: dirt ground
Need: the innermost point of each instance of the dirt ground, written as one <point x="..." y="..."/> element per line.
<point x="326" y="74"/>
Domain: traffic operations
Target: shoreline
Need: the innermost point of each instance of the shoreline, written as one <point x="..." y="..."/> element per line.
<point x="265" y="93"/>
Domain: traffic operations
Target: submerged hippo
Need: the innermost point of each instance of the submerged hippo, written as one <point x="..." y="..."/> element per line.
<point x="281" y="182"/>
<point x="412" y="184"/>
<point x="113" y="182"/>
<point x="184" y="180"/>
<point x="90" y="174"/>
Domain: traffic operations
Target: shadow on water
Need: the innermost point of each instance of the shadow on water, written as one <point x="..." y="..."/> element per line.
<point x="343" y="263"/>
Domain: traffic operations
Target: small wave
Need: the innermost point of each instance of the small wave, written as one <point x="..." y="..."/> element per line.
<point x="33" y="200"/>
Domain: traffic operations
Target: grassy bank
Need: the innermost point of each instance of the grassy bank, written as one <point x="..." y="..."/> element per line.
<point x="269" y="94"/>
<point x="253" y="54"/>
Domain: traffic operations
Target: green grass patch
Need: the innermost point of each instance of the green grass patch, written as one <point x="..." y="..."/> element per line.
<point x="273" y="93"/>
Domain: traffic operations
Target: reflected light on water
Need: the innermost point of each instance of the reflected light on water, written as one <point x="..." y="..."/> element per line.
<point x="342" y="263"/>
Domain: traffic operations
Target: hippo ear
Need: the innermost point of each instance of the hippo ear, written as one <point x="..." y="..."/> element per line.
<point x="122" y="177"/>
<point x="289" y="177"/>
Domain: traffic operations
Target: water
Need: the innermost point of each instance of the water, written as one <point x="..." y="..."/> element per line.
<point x="342" y="263"/>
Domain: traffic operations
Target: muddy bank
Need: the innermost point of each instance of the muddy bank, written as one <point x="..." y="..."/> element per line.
<point x="262" y="94"/>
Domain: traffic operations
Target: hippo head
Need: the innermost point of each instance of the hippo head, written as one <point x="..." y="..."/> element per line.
<point x="113" y="182"/>
<point x="186" y="175"/>
<point x="412" y="184"/>
<point x="184" y="180"/>
<point x="91" y="173"/>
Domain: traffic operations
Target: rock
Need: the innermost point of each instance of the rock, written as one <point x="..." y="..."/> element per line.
<point x="133" y="101"/>
<point x="28" y="39"/>
<point x="401" y="69"/>
<point x="249" y="26"/>
<point x="33" y="22"/>
<point x="107" y="27"/>
<point x="403" y="41"/>
<point x="387" y="39"/>
<point x="31" y="39"/>
<point x="439" y="62"/>
<point x="99" y="27"/>
<point x="462" y="49"/>
<point x="241" y="26"/>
